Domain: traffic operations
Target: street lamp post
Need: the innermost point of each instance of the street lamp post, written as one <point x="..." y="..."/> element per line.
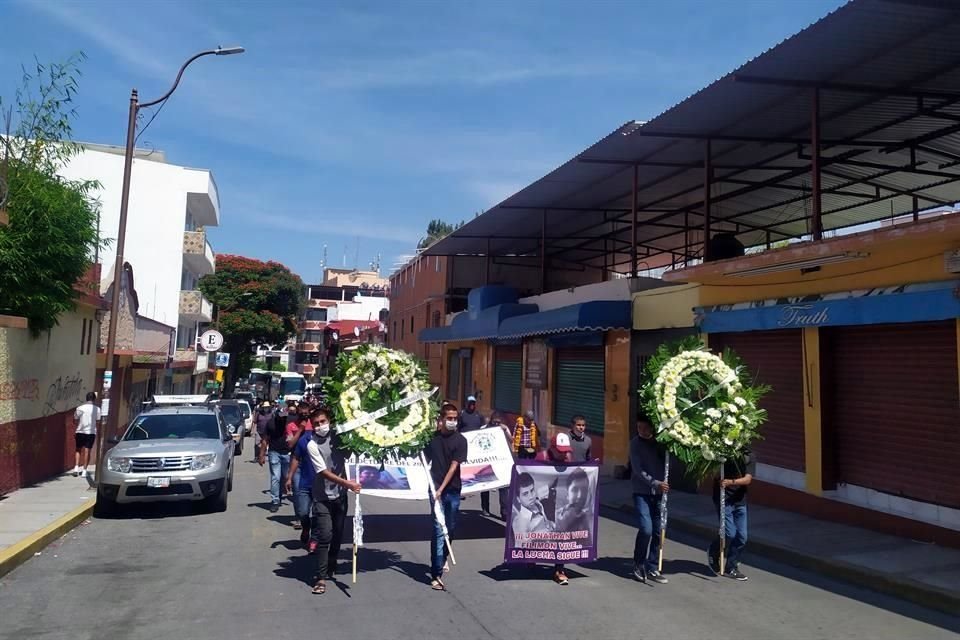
<point x="135" y="107"/>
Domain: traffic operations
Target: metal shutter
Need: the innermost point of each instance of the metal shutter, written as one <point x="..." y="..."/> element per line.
<point x="507" y="379"/>
<point x="580" y="387"/>
<point x="774" y="358"/>
<point x="896" y="410"/>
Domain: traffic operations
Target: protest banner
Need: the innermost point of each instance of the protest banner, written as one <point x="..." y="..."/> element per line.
<point x="488" y="466"/>
<point x="554" y="513"/>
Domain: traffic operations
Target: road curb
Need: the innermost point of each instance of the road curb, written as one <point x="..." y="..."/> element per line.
<point x="15" y="555"/>
<point x="905" y="588"/>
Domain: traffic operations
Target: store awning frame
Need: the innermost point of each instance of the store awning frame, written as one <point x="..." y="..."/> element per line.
<point x="597" y="315"/>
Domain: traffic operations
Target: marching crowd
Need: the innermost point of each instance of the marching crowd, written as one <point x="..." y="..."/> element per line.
<point x="307" y="464"/>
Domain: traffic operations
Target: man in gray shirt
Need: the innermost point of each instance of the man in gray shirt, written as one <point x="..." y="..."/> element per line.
<point x="579" y="440"/>
<point x="470" y="418"/>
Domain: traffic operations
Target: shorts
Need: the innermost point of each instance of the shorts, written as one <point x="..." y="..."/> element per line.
<point x="84" y="440"/>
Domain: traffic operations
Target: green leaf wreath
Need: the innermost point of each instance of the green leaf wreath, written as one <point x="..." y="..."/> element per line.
<point x="370" y="378"/>
<point x="703" y="408"/>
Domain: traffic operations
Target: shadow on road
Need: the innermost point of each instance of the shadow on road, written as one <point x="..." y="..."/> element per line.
<point x="419" y="527"/>
<point x="156" y="511"/>
<point x="522" y="572"/>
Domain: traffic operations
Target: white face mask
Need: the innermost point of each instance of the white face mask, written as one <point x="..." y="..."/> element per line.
<point x="322" y="429"/>
<point x="451" y="425"/>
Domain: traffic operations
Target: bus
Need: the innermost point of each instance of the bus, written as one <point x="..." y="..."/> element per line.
<point x="259" y="381"/>
<point x="286" y="384"/>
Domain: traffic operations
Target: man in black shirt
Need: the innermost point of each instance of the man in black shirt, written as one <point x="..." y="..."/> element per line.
<point x="277" y="448"/>
<point x="446" y="452"/>
<point x="737" y="476"/>
<point x="646" y="471"/>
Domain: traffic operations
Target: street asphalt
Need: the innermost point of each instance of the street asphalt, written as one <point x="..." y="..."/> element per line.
<point x="166" y="572"/>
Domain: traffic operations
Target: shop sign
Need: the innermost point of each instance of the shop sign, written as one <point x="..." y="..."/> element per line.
<point x="536" y="365"/>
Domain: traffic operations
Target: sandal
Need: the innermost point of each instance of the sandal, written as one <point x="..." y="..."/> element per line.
<point x="561" y="578"/>
<point x="437" y="585"/>
<point x="319" y="589"/>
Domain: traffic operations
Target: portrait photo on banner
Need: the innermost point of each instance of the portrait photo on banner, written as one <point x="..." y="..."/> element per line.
<point x="372" y="478"/>
<point x="554" y="512"/>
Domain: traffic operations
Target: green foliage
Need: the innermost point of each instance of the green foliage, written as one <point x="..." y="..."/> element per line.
<point x="436" y="230"/>
<point x="48" y="245"/>
<point x="697" y="393"/>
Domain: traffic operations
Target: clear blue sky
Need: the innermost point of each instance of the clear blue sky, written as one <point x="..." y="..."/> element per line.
<point x="349" y="121"/>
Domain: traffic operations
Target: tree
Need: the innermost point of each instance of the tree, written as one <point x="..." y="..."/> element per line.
<point x="47" y="246"/>
<point x="436" y="230"/>
<point x="257" y="303"/>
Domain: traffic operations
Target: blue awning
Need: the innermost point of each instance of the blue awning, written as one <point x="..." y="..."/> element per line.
<point x="598" y="315"/>
<point x="480" y="325"/>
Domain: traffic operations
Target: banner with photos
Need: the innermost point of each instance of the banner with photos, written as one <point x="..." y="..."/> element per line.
<point x="554" y="512"/>
<point x="488" y="466"/>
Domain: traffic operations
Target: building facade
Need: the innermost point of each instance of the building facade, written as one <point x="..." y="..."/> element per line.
<point x="170" y="209"/>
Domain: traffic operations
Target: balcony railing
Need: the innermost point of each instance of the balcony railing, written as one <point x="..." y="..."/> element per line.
<point x="193" y="306"/>
<point x="197" y="253"/>
<point x="308" y="346"/>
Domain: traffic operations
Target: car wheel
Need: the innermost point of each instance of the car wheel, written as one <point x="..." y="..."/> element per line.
<point x="218" y="503"/>
<point x="230" y="480"/>
<point x="238" y="448"/>
<point x="104" y="507"/>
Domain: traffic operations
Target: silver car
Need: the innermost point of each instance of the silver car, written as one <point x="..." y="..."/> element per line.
<point x="170" y="454"/>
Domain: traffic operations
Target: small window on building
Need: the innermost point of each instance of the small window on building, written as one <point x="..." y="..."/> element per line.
<point x="411" y="325"/>
<point x="83" y="338"/>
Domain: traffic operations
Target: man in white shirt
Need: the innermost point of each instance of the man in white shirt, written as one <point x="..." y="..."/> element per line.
<point x="85" y="421"/>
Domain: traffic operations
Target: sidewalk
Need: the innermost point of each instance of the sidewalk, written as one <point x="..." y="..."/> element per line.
<point x="33" y="517"/>
<point x="923" y="573"/>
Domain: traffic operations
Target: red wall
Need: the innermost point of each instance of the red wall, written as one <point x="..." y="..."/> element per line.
<point x="417" y="290"/>
<point x="35" y="450"/>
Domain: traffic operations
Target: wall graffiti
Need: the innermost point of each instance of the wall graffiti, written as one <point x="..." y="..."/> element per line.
<point x="64" y="393"/>
<point x="26" y="389"/>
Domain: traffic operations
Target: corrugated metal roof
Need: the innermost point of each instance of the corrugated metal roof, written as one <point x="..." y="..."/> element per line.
<point x="759" y="116"/>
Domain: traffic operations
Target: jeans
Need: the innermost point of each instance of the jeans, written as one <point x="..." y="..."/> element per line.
<point x="450" y="503"/>
<point x="329" y="518"/>
<point x="279" y="466"/>
<point x="302" y="504"/>
<point x="736" y="529"/>
<point x="646" y="548"/>
<point x="504" y="500"/>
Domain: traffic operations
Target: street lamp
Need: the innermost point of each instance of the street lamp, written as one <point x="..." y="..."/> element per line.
<point x="135" y="107"/>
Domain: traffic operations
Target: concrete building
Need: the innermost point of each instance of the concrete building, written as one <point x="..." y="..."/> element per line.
<point x="166" y="243"/>
<point x="347" y="302"/>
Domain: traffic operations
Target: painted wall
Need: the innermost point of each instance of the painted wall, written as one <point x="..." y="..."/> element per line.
<point x="42" y="380"/>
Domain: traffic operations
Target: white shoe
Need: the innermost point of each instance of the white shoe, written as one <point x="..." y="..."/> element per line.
<point x="83" y="473"/>
<point x="76" y="471"/>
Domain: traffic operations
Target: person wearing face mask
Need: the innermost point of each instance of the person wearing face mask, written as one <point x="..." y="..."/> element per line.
<point x="445" y="452"/>
<point x="330" y="487"/>
<point x="301" y="475"/>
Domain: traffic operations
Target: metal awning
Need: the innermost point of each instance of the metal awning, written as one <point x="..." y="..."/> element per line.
<point x="873" y="85"/>
<point x="598" y="315"/>
<point x="483" y="325"/>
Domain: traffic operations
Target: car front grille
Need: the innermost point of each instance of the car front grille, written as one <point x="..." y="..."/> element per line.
<point x="151" y="465"/>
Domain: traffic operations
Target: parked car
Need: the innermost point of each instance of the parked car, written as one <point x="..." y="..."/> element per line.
<point x="247" y="414"/>
<point x="245" y="395"/>
<point x="233" y="415"/>
<point x="170" y="454"/>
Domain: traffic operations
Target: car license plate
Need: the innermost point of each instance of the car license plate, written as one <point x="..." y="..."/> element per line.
<point x="160" y="483"/>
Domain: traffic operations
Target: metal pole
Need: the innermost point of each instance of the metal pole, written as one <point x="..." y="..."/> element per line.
<point x="816" y="224"/>
<point x="916" y="202"/>
<point x="633" y="226"/>
<point x="707" y="199"/>
<point x="117" y="273"/>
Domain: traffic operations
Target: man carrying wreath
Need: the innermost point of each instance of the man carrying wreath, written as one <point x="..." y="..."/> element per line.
<point x="737" y="476"/>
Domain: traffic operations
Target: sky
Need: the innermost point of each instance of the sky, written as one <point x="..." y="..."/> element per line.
<point x="353" y="124"/>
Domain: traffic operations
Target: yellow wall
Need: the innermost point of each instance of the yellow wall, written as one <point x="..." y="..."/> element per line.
<point x="893" y="262"/>
<point x="48" y="374"/>
<point x="617" y="423"/>
<point x="666" y="307"/>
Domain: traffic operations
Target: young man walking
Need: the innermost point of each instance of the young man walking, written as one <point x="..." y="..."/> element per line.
<point x="300" y="477"/>
<point x="737" y="476"/>
<point x="329" y="498"/>
<point x="470" y="418"/>
<point x="579" y="439"/>
<point x="276" y="447"/>
<point x="647" y="467"/>
<point x="85" y="421"/>
<point x="446" y="452"/>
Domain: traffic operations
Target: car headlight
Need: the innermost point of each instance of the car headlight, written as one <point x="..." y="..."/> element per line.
<point x="232" y="428"/>
<point x="203" y="461"/>
<point x="121" y="465"/>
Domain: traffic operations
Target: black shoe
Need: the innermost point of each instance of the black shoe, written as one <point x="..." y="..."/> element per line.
<point x="486" y="512"/>
<point x="713" y="564"/>
<point x="735" y="574"/>
<point x="274" y="508"/>
<point x="657" y="577"/>
<point x="639" y="574"/>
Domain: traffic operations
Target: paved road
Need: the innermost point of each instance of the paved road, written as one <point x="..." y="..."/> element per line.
<point x="171" y="574"/>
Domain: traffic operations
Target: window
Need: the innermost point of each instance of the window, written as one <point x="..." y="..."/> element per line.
<point x="411" y="325"/>
<point x="83" y="338"/>
<point x="316" y="315"/>
<point x="402" y="325"/>
<point x="394" y="327"/>
<point x="313" y="336"/>
<point x="436" y="318"/>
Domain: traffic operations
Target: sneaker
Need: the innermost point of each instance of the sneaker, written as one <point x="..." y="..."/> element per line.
<point x="83" y="473"/>
<point x="274" y="508"/>
<point x="657" y="577"/>
<point x="561" y="578"/>
<point x="76" y="471"/>
<point x="639" y="574"/>
<point x="296" y="525"/>
<point x="713" y="564"/>
<point x="736" y="575"/>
